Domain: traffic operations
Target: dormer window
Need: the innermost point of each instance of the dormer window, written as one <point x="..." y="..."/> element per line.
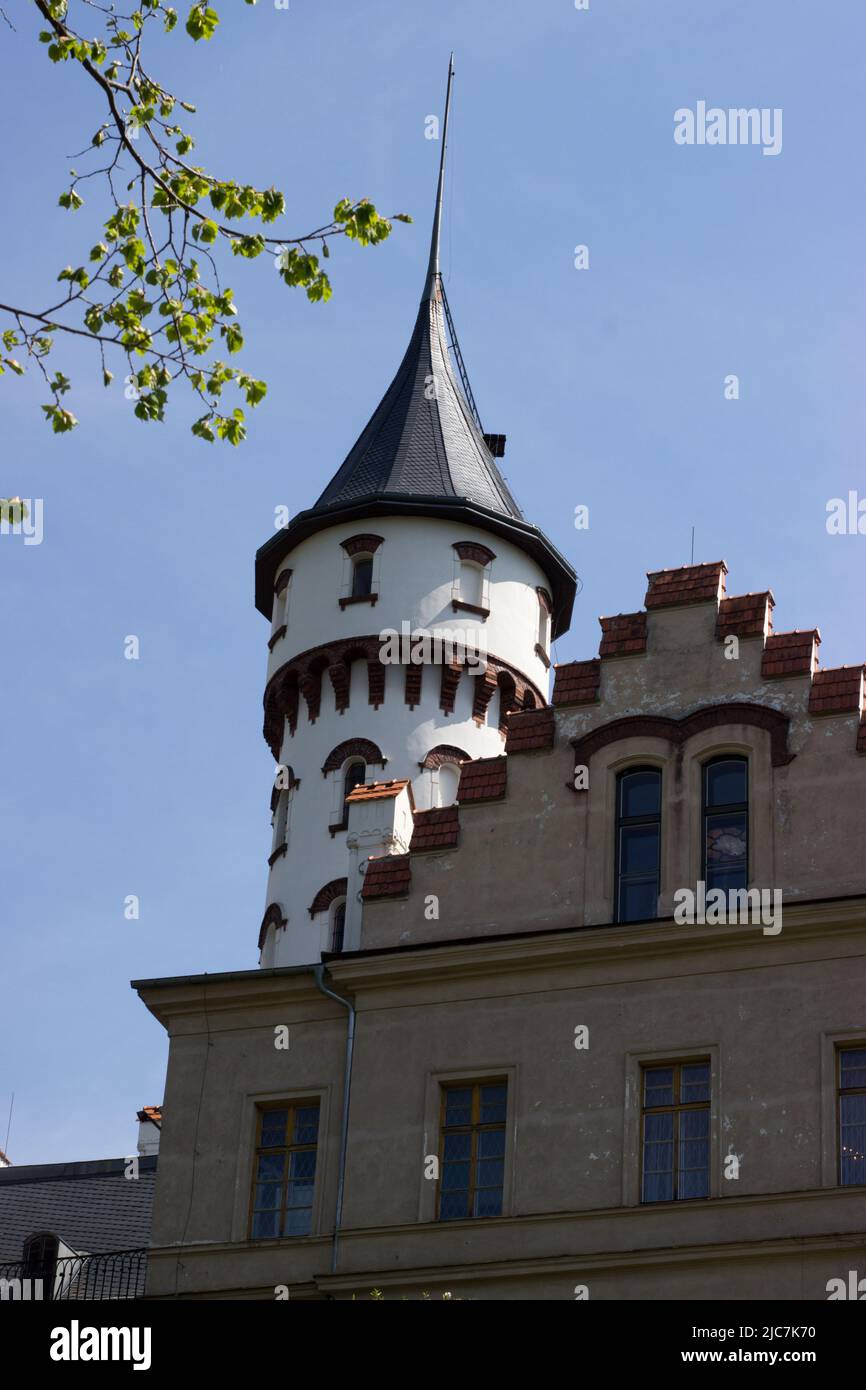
<point x="360" y="569"/>
<point x="470" y="590"/>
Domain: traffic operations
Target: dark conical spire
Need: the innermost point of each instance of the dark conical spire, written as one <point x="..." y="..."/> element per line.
<point x="423" y="452"/>
<point x="423" y="438"/>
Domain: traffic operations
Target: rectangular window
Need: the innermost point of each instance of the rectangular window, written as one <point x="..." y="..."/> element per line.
<point x="675" y="1128"/>
<point x="472" y="1149"/>
<point x="285" y="1170"/>
<point x="851" y="1093"/>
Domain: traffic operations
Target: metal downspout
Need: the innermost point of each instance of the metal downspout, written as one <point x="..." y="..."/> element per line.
<point x="319" y="974"/>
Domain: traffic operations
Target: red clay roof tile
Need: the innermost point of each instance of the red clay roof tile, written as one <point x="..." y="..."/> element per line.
<point x="790" y="654"/>
<point x="529" y="730"/>
<point x="483" y="779"/>
<point x="435" y="829"/>
<point x="577" y="682"/>
<point x="746" y="615"/>
<point x="838" y="691"/>
<point x="388" y="877"/>
<point x="689" y="584"/>
<point x="623" y="635"/>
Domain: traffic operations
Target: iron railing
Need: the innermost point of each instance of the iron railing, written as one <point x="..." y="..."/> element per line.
<point x="91" y="1278"/>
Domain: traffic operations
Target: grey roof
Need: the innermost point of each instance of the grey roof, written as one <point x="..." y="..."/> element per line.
<point x="91" y="1206"/>
<point x="422" y="439"/>
<point x="423" y="453"/>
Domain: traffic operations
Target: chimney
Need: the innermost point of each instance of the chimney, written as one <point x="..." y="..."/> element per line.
<point x="149" y="1126"/>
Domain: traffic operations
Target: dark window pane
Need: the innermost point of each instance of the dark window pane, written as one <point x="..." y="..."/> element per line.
<point x="658" y="1187"/>
<point x="303" y="1164"/>
<point x="265" y="1225"/>
<point x="458" y="1146"/>
<point x="693" y="1184"/>
<point x="274" y="1128"/>
<point x="493" y="1104"/>
<point x="638" y="901"/>
<point x="362" y="578"/>
<point x="454" y="1205"/>
<point x="639" y="849"/>
<point x="695" y="1083"/>
<point x="455" y="1175"/>
<point x="299" y="1194"/>
<point x="488" y="1202"/>
<point x="659" y="1086"/>
<point x="267" y="1196"/>
<point x="491" y="1173"/>
<point x="853" y="1068"/>
<point x="491" y="1143"/>
<point x="298" y="1221"/>
<point x="270" y="1167"/>
<point x="659" y="1127"/>
<point x="458" y="1106"/>
<point x="640" y="794"/>
<point x="726" y="783"/>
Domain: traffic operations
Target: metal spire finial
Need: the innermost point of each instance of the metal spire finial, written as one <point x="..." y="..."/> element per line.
<point x="433" y="266"/>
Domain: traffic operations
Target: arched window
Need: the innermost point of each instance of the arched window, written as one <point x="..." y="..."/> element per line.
<point x="354" y="775"/>
<point x="338" y="925"/>
<point x="726" y="823"/>
<point x="638" y="843"/>
<point x="544" y="607"/>
<point x="362" y="576"/>
<point x="448" y="782"/>
<point x="471" y="583"/>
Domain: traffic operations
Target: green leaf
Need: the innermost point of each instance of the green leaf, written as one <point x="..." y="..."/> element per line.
<point x="201" y="22"/>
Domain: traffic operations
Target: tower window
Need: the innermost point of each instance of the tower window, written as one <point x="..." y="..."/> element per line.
<point x="851" y="1109"/>
<point x="354" y="776"/>
<point x="471" y="583"/>
<point x="338" y="925"/>
<point x="362" y="576"/>
<point x="638" y="844"/>
<point x="726" y="823"/>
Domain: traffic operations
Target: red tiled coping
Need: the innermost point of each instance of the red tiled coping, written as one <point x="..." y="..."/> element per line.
<point x="436" y="829"/>
<point x="389" y="877"/>
<point x="746" y="615"/>
<point x="374" y="791"/>
<point x="576" y="682"/>
<point x="483" y="779"/>
<point x="689" y="584"/>
<point x="623" y="635"/>
<point x="790" y="654"/>
<point x="529" y="729"/>
<point x="837" y="692"/>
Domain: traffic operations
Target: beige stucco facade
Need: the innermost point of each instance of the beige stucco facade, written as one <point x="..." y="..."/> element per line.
<point x="489" y="964"/>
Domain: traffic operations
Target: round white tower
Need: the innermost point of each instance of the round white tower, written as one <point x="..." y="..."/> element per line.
<point x="411" y="608"/>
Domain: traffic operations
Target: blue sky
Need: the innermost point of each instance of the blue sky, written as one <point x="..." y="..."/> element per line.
<point x="151" y="777"/>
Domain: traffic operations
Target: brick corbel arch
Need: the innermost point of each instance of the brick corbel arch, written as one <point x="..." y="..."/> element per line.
<point x="679" y="731"/>
<point x="353" y="748"/>
<point x="337" y="888"/>
<point x="365" y="544"/>
<point x="472" y="550"/>
<point x="444" y="753"/>
<point x="274" y="917"/>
